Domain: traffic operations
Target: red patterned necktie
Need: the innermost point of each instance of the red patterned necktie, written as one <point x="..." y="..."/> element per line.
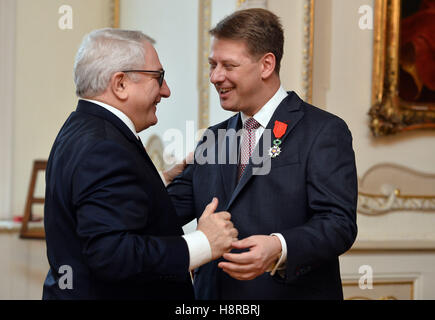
<point x="248" y="144"/>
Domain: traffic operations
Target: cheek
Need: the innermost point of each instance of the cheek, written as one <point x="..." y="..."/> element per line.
<point x="252" y="83"/>
<point x="153" y="92"/>
<point x="247" y="80"/>
<point x="147" y="95"/>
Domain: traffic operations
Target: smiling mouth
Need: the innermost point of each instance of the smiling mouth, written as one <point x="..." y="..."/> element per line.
<point x="224" y="90"/>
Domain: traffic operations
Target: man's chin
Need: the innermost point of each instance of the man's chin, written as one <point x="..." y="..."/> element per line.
<point x="149" y="124"/>
<point x="154" y="122"/>
<point x="229" y="107"/>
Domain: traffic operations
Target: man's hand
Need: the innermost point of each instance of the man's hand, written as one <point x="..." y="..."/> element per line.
<point x="177" y="169"/>
<point x="263" y="252"/>
<point x="218" y="229"/>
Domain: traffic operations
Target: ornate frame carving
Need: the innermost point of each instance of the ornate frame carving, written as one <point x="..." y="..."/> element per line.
<point x="373" y="204"/>
<point x="377" y="204"/>
<point x="389" y="114"/>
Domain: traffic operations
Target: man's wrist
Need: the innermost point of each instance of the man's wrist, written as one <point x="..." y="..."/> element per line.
<point x="281" y="258"/>
<point x="199" y="249"/>
<point x="278" y="255"/>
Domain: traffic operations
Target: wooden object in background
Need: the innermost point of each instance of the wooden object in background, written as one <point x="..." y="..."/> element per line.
<point x="34" y="232"/>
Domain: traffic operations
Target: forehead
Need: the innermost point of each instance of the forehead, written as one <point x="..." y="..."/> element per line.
<point x="224" y="49"/>
<point x="151" y="56"/>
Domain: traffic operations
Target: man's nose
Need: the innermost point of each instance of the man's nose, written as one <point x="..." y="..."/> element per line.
<point x="217" y="75"/>
<point x="165" y="92"/>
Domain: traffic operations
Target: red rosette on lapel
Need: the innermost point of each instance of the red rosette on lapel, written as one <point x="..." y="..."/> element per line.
<point x="279" y="130"/>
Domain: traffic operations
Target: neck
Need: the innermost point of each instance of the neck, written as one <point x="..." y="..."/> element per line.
<point x="115" y="103"/>
<point x="267" y="92"/>
<point x="110" y="100"/>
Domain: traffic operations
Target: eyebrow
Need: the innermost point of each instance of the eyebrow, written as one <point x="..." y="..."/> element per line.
<point x="230" y="61"/>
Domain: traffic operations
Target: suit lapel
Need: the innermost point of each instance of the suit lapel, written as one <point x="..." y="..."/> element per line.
<point x="288" y="111"/>
<point x="228" y="167"/>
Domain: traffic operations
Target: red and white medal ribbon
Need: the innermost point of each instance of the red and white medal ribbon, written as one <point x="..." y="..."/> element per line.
<point x="279" y="130"/>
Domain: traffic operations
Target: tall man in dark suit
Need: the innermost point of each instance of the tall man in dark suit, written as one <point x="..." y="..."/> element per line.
<point x="111" y="229"/>
<point x="296" y="215"/>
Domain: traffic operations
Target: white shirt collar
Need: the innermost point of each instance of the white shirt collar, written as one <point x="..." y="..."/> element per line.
<point x="264" y="115"/>
<point x="121" y="115"/>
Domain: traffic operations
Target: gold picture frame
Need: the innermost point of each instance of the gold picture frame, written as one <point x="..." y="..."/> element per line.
<point x="390" y="114"/>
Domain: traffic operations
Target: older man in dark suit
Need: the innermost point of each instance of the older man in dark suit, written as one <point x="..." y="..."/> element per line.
<point x="297" y="214"/>
<point x="111" y="229"/>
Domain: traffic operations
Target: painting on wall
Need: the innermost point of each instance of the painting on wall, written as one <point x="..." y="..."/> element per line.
<point x="403" y="84"/>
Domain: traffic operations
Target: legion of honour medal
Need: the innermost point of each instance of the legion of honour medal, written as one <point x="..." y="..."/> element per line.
<point x="278" y="130"/>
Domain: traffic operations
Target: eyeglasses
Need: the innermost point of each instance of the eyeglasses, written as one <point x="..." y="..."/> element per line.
<point x="161" y="74"/>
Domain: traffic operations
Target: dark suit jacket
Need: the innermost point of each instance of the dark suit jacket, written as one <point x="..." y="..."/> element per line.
<point x="309" y="196"/>
<point x="109" y="217"/>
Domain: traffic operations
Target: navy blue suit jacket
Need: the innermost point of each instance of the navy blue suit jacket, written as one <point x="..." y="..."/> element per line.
<point x="108" y="216"/>
<point x="309" y="196"/>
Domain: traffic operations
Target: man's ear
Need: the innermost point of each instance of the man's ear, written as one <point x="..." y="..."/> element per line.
<point x="268" y="62"/>
<point x="118" y="85"/>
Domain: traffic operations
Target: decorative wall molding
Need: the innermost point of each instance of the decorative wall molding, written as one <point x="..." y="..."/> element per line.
<point x="391" y="289"/>
<point x="308" y="51"/>
<point x="115" y="7"/>
<point x="403" y="275"/>
<point x="204" y="25"/>
<point x="372" y="204"/>
<point x="246" y="4"/>
<point x="7" y="92"/>
<point x="388" y="187"/>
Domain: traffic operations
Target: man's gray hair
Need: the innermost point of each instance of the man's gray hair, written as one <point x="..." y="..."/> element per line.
<point x="104" y="52"/>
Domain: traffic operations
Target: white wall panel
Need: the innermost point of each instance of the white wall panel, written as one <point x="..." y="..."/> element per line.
<point x="174" y="25"/>
<point x="7" y="91"/>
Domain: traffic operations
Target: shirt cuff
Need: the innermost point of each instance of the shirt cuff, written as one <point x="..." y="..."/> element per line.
<point x="283" y="258"/>
<point x="199" y="249"/>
